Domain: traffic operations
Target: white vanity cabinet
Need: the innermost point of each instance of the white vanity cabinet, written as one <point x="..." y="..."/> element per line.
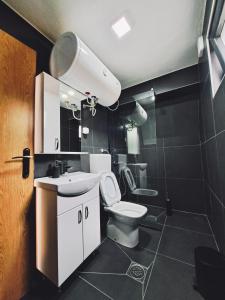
<point x="47" y="114"/>
<point x="90" y="226"/>
<point x="70" y="242"/>
<point x="67" y="231"/>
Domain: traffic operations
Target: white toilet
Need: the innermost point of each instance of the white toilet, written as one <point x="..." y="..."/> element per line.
<point x="124" y="217"/>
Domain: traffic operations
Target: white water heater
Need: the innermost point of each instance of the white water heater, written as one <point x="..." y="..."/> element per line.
<point x="73" y="63"/>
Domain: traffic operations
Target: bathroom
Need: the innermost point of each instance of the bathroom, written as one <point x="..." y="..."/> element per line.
<point x="111" y="165"/>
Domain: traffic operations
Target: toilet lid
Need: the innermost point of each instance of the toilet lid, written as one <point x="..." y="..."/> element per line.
<point x="129" y="179"/>
<point x="110" y="190"/>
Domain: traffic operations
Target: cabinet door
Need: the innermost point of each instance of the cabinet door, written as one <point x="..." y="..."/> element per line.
<point x="51" y="112"/>
<point x="91" y="226"/>
<point x="70" y="243"/>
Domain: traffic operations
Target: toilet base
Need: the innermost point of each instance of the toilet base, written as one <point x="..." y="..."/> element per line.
<point x="124" y="234"/>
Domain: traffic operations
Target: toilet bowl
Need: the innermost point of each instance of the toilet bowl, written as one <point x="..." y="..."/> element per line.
<point x="124" y="217"/>
<point x="128" y="176"/>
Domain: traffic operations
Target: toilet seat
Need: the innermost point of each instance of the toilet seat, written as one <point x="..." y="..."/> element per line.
<point x="127" y="209"/>
<point x="130" y="179"/>
<point x="132" y="185"/>
<point x="111" y="196"/>
<point x="110" y="190"/>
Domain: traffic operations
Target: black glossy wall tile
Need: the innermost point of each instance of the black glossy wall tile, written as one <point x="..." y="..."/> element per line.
<point x="217" y="219"/>
<point x="87" y="121"/>
<point x="220" y="139"/>
<point x="207" y="200"/>
<point x="177" y="130"/>
<point x="219" y="107"/>
<point x="44" y="163"/>
<point x="154" y="157"/>
<point x="178" y="121"/>
<point x="212" y="111"/>
<point x="100" y="128"/>
<point x="75" y="142"/>
<point x="116" y="132"/>
<point x="159" y="185"/>
<point x="69" y="131"/>
<point x="164" y="84"/>
<point x="183" y="162"/>
<point x="207" y="111"/>
<point x="98" y="137"/>
<point x="65" y="138"/>
<point x="186" y="194"/>
<point x="203" y="68"/>
<point x="204" y="162"/>
<point x="212" y="165"/>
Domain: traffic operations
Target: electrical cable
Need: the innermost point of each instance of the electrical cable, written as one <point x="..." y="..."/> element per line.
<point x="75" y="117"/>
<point x="113" y="109"/>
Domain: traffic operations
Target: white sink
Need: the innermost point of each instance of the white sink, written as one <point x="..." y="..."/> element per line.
<point x="142" y="166"/>
<point x="71" y="184"/>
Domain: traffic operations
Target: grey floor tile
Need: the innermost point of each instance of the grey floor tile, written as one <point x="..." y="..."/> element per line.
<point x="118" y="287"/>
<point x="180" y="244"/>
<point x="147" y="278"/>
<point x="149" y="238"/>
<point x="154" y="218"/>
<point x="109" y="258"/>
<point x="171" y="280"/>
<point x="83" y="290"/>
<point x="190" y="221"/>
<point x="76" y="288"/>
<point x="139" y="255"/>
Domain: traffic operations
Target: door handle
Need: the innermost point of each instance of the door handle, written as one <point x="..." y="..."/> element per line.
<point x="56" y="143"/>
<point x="79" y="216"/>
<point x="22" y="157"/>
<point x="25" y="161"/>
<point x="86" y="212"/>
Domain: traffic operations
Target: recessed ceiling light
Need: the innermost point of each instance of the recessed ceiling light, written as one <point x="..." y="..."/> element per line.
<point x="121" y="27"/>
<point x="71" y="93"/>
<point x="64" y="96"/>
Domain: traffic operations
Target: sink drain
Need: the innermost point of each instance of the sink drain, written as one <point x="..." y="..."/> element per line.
<point x="136" y="272"/>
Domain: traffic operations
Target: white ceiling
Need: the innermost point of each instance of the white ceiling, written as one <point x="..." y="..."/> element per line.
<point x="163" y="36"/>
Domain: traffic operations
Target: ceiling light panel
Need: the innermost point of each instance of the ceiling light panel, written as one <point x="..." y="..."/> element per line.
<point x="121" y="27"/>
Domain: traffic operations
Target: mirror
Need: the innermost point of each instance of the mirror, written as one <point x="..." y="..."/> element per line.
<point x="139" y="122"/>
<point x="70" y="119"/>
<point x="57" y="116"/>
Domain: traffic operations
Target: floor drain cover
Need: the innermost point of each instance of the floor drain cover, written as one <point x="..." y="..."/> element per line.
<point x="137" y="272"/>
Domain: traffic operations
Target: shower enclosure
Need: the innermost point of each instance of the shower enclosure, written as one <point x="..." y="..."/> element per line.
<point x="133" y="145"/>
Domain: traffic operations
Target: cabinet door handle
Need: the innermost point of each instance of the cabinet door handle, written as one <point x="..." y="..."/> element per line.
<point x="56" y="143"/>
<point x="79" y="216"/>
<point x="86" y="212"/>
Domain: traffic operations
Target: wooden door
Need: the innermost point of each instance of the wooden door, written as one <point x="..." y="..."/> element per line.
<point x="91" y="226"/>
<point x="17" y="72"/>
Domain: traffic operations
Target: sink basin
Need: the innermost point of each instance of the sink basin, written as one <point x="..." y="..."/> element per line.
<point x="142" y="166"/>
<point x="71" y="184"/>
